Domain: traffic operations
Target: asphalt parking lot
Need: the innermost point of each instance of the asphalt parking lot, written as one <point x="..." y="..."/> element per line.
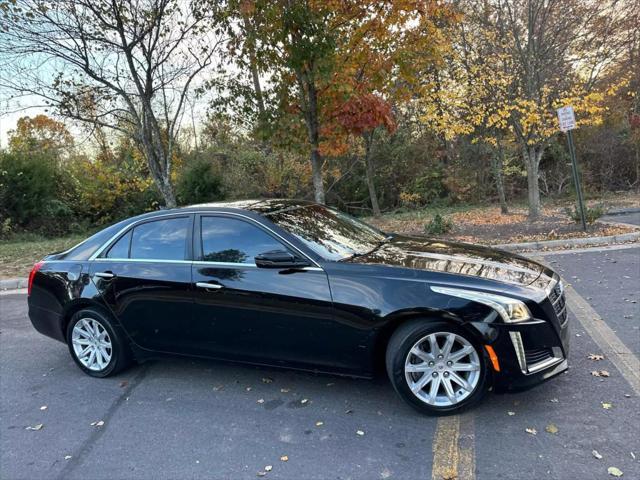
<point x="180" y="418"/>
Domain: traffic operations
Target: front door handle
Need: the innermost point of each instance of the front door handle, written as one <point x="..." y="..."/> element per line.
<point x="104" y="274"/>
<point x="211" y="286"/>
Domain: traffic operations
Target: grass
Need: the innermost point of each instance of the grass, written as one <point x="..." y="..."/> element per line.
<point x="18" y="254"/>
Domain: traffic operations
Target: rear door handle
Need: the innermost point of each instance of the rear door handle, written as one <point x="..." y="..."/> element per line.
<point x="211" y="286"/>
<point x="104" y="274"/>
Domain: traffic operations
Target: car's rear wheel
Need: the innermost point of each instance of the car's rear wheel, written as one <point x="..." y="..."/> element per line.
<point x="96" y="345"/>
<point x="436" y="367"/>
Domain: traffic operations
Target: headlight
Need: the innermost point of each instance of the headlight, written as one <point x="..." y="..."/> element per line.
<point x="510" y="309"/>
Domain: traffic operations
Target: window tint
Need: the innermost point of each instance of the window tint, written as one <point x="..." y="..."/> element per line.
<point x="160" y="239"/>
<point x="235" y="241"/>
<point x="120" y="249"/>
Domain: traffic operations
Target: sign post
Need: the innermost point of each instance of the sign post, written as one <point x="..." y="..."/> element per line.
<point x="567" y="121"/>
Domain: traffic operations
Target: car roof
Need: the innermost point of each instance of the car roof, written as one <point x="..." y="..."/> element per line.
<point x="263" y="207"/>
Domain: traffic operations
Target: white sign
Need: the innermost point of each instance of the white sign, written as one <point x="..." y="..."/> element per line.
<point x="566" y="118"/>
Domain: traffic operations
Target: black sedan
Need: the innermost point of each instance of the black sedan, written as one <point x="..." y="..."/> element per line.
<point x="300" y="285"/>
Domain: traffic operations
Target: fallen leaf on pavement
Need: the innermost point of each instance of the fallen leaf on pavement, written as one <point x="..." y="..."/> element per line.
<point x="532" y="431"/>
<point x="616" y="472"/>
<point x="319" y="424"/>
<point x="596" y="454"/>
<point x="124" y="383"/>
<point x="36" y="427"/>
<point x="551" y="428"/>
<point x="67" y="457"/>
<point x="606" y="405"/>
<point x="284" y="458"/>
<point x="596" y="356"/>
<point x="359" y="432"/>
<point x="268" y="468"/>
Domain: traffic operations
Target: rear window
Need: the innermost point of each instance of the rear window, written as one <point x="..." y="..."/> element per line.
<point x="120" y="249"/>
<point x="84" y="250"/>
<point x="160" y="239"/>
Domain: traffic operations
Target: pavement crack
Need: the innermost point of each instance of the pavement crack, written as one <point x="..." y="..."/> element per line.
<point x="86" y="448"/>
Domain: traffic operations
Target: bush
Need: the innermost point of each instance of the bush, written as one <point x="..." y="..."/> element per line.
<point x="30" y="187"/>
<point x="590" y="214"/>
<point x="199" y="183"/>
<point x="438" y="225"/>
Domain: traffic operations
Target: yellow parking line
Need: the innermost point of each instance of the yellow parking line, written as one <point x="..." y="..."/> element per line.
<point x="612" y="347"/>
<point x="454" y="449"/>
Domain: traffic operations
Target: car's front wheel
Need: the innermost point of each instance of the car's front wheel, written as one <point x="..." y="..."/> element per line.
<point x="436" y="367"/>
<point x="96" y="345"/>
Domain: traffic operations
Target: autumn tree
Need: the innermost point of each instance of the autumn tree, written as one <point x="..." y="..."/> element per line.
<point x="41" y="134"/>
<point x="554" y="52"/>
<point x="127" y="65"/>
<point x="307" y="59"/>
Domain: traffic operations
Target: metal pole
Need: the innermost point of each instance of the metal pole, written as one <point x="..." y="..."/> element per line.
<point x="576" y="179"/>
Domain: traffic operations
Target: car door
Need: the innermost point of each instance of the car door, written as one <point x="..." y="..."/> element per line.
<point x="244" y="312"/>
<point x="144" y="276"/>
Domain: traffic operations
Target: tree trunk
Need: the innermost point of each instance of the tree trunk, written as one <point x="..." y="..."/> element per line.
<point x="497" y="163"/>
<point x="370" y="173"/>
<point x="316" y="173"/>
<point x="166" y="189"/>
<point x="160" y="172"/>
<point x="532" y="155"/>
<point x="313" y="129"/>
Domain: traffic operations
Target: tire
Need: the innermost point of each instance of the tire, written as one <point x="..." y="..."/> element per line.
<point x="405" y="367"/>
<point x="111" y="351"/>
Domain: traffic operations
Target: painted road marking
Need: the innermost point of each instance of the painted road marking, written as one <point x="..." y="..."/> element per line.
<point x="612" y="347"/>
<point x="454" y="448"/>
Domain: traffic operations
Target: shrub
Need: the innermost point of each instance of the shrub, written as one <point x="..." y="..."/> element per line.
<point x="591" y="214"/>
<point x="28" y="186"/>
<point x="199" y="183"/>
<point x="438" y="225"/>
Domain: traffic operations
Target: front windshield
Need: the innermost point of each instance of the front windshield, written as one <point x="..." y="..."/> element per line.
<point x="331" y="234"/>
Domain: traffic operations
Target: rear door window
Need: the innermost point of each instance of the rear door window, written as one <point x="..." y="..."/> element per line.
<point x="161" y="239"/>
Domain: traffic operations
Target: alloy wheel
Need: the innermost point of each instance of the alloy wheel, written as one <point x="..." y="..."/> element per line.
<point x="91" y="344"/>
<point x="442" y="369"/>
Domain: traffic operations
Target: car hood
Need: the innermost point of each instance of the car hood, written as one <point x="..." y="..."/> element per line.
<point x="457" y="258"/>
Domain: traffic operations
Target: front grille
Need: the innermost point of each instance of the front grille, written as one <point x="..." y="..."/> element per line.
<point x="538" y="355"/>
<point x="557" y="298"/>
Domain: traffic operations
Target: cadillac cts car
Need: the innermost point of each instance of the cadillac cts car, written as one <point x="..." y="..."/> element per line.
<point x="295" y="284"/>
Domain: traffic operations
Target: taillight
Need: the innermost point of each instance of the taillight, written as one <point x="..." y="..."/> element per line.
<point x="35" y="268"/>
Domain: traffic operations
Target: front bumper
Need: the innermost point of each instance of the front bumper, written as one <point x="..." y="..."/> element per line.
<point x="533" y="352"/>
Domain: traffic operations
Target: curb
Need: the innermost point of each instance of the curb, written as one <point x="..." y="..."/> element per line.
<point x="622" y="211"/>
<point x="570" y="242"/>
<point x="13" y="283"/>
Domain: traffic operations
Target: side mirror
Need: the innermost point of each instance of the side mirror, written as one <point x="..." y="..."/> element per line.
<point x="279" y="259"/>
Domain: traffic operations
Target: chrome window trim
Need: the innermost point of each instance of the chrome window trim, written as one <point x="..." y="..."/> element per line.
<point x="139" y="260"/>
<point x="105" y="245"/>
<point x="225" y="264"/>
